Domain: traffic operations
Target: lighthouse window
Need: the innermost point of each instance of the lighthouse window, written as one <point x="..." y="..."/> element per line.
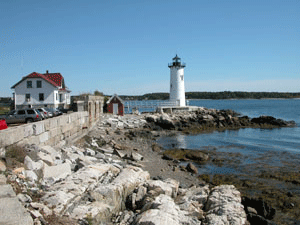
<point x="181" y="77"/>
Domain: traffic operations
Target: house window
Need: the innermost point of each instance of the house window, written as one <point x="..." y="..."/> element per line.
<point x="41" y="96"/>
<point x="56" y="96"/>
<point x="27" y="97"/>
<point x="60" y="98"/>
<point x="181" y="77"/>
<point x="39" y="84"/>
<point x="29" y="84"/>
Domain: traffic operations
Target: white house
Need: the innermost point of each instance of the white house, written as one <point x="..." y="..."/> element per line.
<point x="41" y="90"/>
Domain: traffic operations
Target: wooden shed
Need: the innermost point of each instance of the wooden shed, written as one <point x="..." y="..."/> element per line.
<point x="115" y="105"/>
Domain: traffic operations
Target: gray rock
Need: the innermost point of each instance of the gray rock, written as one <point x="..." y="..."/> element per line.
<point x="193" y="199"/>
<point x="136" y="156"/>
<point x="251" y="210"/>
<point x="12" y="211"/>
<point x="119" y="153"/>
<point x="191" y="168"/>
<point x="6" y="191"/>
<point x="2" y="166"/>
<point x="197" y="155"/>
<point x="24" y="198"/>
<point x="35" y="214"/>
<point x="2" y="179"/>
<point x="41" y="207"/>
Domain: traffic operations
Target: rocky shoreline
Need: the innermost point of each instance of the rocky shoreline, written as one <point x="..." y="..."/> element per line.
<point x="117" y="174"/>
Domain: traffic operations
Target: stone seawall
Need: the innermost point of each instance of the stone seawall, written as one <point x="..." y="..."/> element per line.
<point x="47" y="132"/>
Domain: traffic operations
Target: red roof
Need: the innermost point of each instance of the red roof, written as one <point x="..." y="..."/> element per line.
<point x="53" y="78"/>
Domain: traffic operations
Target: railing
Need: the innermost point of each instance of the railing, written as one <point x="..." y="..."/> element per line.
<point x="148" y="105"/>
<point x="176" y="64"/>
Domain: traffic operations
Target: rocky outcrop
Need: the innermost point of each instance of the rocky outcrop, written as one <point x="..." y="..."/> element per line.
<point x="205" y="119"/>
<point x="103" y="182"/>
<point x="103" y="188"/>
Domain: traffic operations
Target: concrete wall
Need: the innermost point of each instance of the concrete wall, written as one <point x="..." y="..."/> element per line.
<point x="91" y="103"/>
<point x="48" y="132"/>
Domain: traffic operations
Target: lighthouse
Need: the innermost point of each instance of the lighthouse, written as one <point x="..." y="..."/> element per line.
<point x="177" y="91"/>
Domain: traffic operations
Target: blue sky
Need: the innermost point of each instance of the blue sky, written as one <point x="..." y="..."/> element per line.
<point x="124" y="47"/>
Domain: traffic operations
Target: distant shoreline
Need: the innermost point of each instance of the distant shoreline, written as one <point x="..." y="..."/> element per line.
<point x="217" y="95"/>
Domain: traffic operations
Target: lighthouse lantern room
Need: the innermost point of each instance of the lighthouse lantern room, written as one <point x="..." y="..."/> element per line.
<point x="177" y="91"/>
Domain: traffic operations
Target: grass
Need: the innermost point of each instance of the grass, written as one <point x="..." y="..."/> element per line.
<point x="4" y="109"/>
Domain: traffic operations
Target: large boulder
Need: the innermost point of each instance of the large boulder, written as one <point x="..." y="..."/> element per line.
<point x="54" y="173"/>
<point x="64" y="196"/>
<point x="191" y="168"/>
<point x="109" y="197"/>
<point x="32" y="165"/>
<point x="224" y="206"/>
<point x="197" y="156"/>
<point x="162" y="211"/>
<point x="168" y="186"/>
<point x="165" y="122"/>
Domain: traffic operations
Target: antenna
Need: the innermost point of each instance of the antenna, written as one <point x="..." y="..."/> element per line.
<point x="22" y="64"/>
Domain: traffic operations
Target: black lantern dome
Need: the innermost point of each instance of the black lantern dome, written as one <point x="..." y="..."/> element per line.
<point x="176" y="62"/>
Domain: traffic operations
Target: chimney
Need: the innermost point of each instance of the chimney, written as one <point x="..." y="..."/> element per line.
<point x="47" y="71"/>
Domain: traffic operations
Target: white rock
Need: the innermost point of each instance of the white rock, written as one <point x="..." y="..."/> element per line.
<point x="193" y="196"/>
<point x="169" y="186"/>
<point x="31" y="176"/>
<point x="164" y="211"/>
<point x="35" y="214"/>
<point x="113" y="195"/>
<point x="224" y="206"/>
<point x="45" y="158"/>
<point x="61" y="194"/>
<point x="51" y="151"/>
<point x="24" y="198"/>
<point x="2" y="179"/>
<point x="41" y="207"/>
<point x="31" y="165"/>
<point x="2" y="152"/>
<point x="2" y="166"/>
<point x="53" y="173"/>
<point x="136" y="156"/>
<point x="90" y="152"/>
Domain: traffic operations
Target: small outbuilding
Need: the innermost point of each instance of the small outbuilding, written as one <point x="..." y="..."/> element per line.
<point x="115" y="105"/>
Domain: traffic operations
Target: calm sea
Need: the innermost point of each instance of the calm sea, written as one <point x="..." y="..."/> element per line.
<point x="252" y="142"/>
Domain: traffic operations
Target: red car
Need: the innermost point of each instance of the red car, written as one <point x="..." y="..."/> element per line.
<point x="3" y="125"/>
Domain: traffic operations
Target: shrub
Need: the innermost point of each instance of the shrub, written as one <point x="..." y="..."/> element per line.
<point x="16" y="152"/>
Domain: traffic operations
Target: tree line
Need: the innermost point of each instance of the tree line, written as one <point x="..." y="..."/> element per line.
<point x="215" y="95"/>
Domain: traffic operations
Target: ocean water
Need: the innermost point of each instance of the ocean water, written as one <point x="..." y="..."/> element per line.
<point x="249" y="142"/>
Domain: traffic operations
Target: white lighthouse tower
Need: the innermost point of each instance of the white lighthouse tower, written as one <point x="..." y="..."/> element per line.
<point x="177" y="91"/>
